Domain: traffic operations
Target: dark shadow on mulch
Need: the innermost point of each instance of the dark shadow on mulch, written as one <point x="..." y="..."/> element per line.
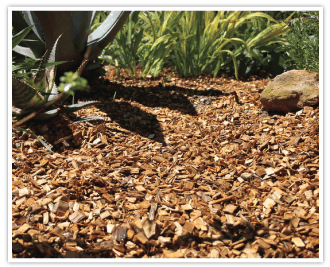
<point x="172" y="97"/>
<point x="127" y="115"/>
<point x="37" y="249"/>
<point x="134" y="119"/>
<point x="53" y="129"/>
<point x="131" y="117"/>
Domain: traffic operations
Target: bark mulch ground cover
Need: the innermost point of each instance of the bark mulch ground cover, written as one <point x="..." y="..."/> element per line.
<point x="173" y="168"/>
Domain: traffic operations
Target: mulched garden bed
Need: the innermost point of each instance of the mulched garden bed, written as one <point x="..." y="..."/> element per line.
<point x="173" y="168"/>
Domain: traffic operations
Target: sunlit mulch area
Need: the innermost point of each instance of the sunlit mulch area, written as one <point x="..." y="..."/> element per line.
<point x="177" y="168"/>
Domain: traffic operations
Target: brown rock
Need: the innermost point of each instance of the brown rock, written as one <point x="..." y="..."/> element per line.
<point x="291" y="91"/>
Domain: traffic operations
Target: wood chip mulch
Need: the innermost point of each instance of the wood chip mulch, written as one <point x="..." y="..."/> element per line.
<point x="177" y="168"/>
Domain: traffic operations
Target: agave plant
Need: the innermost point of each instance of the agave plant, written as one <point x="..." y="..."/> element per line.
<point x="62" y="36"/>
<point x="74" y="26"/>
<point x="40" y="91"/>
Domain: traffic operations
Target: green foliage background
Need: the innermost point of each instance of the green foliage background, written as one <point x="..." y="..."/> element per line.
<point x="216" y="41"/>
<point x="302" y="48"/>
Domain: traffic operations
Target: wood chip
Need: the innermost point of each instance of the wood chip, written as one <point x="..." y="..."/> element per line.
<point x="119" y="233"/>
<point x="173" y="254"/>
<point x="108" y="198"/>
<point x="149" y="227"/>
<point x="230" y="208"/>
<point x="230" y="219"/>
<point x="186" y="207"/>
<point x="298" y="242"/>
<point x="105" y="215"/>
<point x="195" y="214"/>
<point x="63" y="206"/>
<point x="141" y="238"/>
<point x="140" y="188"/>
<point x="23" y="228"/>
<point x="222" y="199"/>
<point x="188" y="228"/>
<point x="152" y="212"/>
<point x="269" y="203"/>
<point x="76" y="216"/>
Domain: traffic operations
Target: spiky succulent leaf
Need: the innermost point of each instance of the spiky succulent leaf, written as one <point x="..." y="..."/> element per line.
<point x="47" y="115"/>
<point x="106" y="32"/>
<point x="35" y="47"/>
<point x="25" y="96"/>
<point x="39" y="80"/>
<point x="50" y="72"/>
<point x="20" y="36"/>
<point x="91" y="118"/>
<point x="42" y="94"/>
<point x="30" y="96"/>
<point x="23" y="51"/>
<point x="78" y="106"/>
<point x="75" y="26"/>
<point x="92" y="19"/>
<point x="40" y="140"/>
<point x="80" y="29"/>
<point x="32" y="19"/>
<point x="18" y="21"/>
<point x="54" y="24"/>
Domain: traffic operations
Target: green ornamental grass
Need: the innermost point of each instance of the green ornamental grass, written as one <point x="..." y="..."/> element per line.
<point x="196" y="42"/>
